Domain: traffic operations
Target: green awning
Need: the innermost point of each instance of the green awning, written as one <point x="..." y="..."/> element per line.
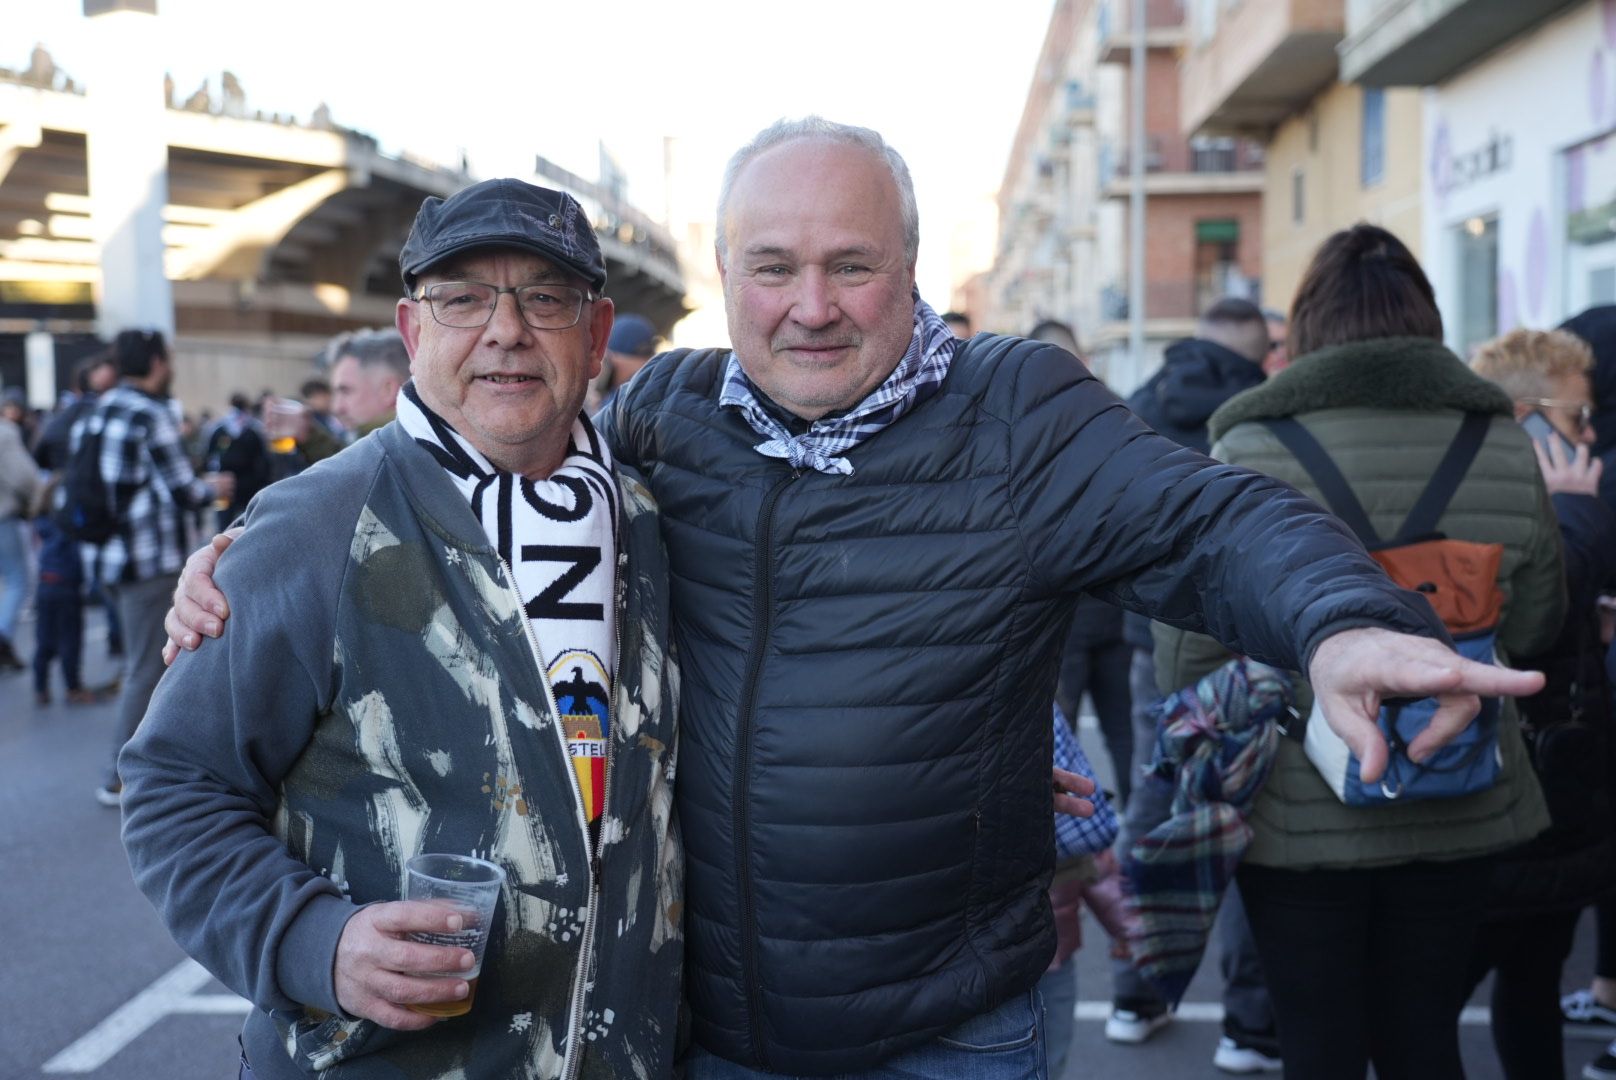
<point x="1217" y="232"/>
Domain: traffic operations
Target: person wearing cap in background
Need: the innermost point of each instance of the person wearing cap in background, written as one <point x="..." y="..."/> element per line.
<point x="457" y="642"/>
<point x="633" y="343"/>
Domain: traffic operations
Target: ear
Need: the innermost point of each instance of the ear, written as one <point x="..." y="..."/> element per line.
<point x="718" y="260"/>
<point x="600" y="332"/>
<point x="407" y="318"/>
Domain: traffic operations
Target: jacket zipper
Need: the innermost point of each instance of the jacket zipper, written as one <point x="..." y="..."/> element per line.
<point x="586" y="945"/>
<point x="763" y="605"/>
<point x="580" y="999"/>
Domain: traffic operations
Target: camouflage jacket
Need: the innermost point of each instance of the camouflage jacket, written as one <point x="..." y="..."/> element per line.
<point x="376" y="696"/>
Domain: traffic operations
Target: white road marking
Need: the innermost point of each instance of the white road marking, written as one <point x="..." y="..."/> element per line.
<point x="1210" y="1012"/>
<point x="176" y="994"/>
<point x="173" y="993"/>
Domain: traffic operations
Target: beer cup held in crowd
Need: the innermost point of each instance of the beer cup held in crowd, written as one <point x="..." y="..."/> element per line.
<point x="283" y="418"/>
<point x="471" y="888"/>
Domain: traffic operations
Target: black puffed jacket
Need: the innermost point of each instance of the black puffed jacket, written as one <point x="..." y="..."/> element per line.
<point x="869" y="666"/>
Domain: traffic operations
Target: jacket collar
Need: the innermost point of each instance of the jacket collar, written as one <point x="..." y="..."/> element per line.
<point x="434" y="494"/>
<point x="1387" y="373"/>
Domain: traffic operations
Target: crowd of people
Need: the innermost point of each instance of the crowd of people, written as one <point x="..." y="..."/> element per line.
<point x="750" y="666"/>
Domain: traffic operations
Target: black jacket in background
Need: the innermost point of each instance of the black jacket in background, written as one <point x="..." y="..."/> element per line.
<point x="1570" y="732"/>
<point x="869" y="667"/>
<point x="1196" y="377"/>
<point x="1597" y="326"/>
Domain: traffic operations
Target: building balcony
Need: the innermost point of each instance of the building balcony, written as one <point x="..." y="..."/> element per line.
<point x="1264" y="60"/>
<point x="1184" y="167"/>
<point x="1424" y="42"/>
<point x="1114" y="32"/>
<point x="1187" y="183"/>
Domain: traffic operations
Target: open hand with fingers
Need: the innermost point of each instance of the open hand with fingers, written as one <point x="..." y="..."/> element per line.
<point x="199" y="607"/>
<point x="1069" y="789"/>
<point x="1352" y="672"/>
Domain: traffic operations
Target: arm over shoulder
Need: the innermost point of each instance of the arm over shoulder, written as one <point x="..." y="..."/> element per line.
<point x="226" y="724"/>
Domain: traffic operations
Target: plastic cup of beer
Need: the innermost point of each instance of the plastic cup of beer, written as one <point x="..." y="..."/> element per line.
<point x="282" y="419"/>
<point x="470" y="887"/>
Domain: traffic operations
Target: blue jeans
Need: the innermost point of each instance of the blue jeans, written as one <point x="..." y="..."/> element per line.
<point x="58" y="634"/>
<point x="13" y="575"/>
<point x="1004" y="1044"/>
<point x="1059" y="991"/>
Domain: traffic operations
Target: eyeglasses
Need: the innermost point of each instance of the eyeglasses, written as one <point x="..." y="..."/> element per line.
<point x="1584" y="411"/>
<point x="467" y="304"/>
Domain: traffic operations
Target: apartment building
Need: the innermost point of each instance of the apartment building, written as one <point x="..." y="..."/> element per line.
<point x="1336" y="152"/>
<point x="1064" y="204"/>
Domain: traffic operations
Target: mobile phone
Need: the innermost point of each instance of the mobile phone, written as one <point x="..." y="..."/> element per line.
<point x="1543" y="433"/>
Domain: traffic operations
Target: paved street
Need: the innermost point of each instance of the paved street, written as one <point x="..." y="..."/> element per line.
<point x="91" y="986"/>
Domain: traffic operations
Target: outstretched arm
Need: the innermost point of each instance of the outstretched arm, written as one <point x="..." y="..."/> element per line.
<point x="1353" y="670"/>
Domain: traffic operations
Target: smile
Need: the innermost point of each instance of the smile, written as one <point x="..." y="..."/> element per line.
<point x="508" y="380"/>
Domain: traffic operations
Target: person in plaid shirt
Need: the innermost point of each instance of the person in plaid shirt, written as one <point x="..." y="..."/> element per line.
<point x="150" y="482"/>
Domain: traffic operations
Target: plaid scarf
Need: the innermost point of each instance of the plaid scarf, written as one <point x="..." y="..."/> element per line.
<point x="1215" y="741"/>
<point x="917" y="377"/>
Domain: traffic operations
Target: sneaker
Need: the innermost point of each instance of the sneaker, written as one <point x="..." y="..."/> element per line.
<point x="81" y="697"/>
<point x="41" y="697"/>
<point x="1136" y="1021"/>
<point x="110" y="794"/>
<point x="1234" y="1056"/>
<point x="1602" y="1067"/>
<point x="1586" y="1018"/>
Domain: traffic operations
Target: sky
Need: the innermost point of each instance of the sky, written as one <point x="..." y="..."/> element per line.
<point x="503" y="80"/>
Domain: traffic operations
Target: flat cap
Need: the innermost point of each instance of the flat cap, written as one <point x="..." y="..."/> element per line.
<point x="504" y="213"/>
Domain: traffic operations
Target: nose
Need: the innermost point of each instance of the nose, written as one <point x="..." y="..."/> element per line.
<point x="505" y="328"/>
<point x="814" y="304"/>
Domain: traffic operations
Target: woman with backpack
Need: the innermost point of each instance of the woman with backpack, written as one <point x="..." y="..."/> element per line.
<point x="1364" y="902"/>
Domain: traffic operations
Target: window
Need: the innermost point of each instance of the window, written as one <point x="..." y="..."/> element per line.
<point x="1298" y="196"/>
<point x="1373" y="157"/>
<point x="1477" y="243"/>
<point x="1217" y="263"/>
<point x="1589" y="172"/>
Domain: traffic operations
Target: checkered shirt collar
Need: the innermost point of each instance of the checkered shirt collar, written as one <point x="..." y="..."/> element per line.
<point x="917" y="376"/>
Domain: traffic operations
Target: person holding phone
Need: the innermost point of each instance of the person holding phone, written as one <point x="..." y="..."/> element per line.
<point x="1538" y="891"/>
<point x="1546" y="372"/>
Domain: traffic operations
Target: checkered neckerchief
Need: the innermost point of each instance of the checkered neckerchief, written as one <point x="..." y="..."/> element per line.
<point x="1076" y="836"/>
<point x="917" y="377"/>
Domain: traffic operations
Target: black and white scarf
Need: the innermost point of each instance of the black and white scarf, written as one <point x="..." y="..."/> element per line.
<point x="558" y="536"/>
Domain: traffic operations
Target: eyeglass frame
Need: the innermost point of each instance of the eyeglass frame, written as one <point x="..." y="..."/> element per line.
<point x="586" y="297"/>
<point x="1585" y="410"/>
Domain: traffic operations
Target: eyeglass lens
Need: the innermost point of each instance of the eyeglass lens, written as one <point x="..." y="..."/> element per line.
<point x="472" y="303"/>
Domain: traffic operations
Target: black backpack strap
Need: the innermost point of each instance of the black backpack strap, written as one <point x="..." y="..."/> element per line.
<point x="1322" y="468"/>
<point x="1447" y="477"/>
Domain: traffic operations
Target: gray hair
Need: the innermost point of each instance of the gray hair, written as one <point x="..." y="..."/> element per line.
<point x="372" y="348"/>
<point x="817" y="127"/>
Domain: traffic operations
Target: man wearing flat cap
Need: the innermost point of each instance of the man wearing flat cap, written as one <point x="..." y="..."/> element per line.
<point x="457" y="643"/>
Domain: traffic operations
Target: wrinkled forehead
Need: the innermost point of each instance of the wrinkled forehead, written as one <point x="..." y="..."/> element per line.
<point x="815" y="181"/>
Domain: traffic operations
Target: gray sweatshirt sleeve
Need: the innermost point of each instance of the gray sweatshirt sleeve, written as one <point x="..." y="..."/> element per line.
<point x="202" y="773"/>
